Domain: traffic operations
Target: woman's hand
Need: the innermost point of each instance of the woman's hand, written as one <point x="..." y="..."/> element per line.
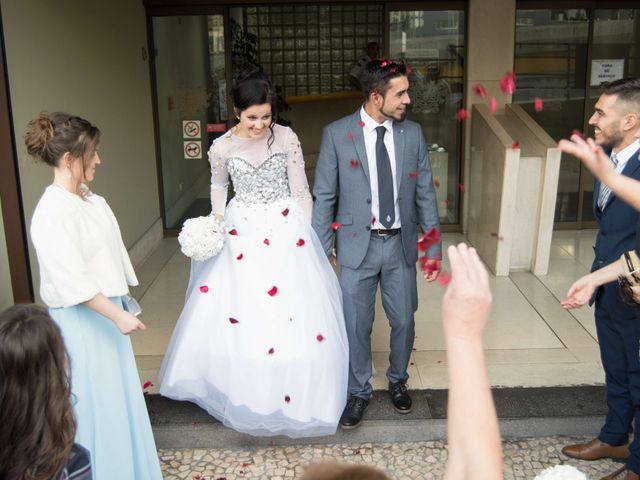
<point x="128" y="323"/>
<point x="580" y="292"/>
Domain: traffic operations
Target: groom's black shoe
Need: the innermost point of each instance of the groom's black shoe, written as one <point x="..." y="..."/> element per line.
<point x="353" y="412"/>
<point x="400" y="397"/>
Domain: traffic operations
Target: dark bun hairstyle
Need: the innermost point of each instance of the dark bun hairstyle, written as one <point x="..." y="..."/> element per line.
<point x="50" y="135"/>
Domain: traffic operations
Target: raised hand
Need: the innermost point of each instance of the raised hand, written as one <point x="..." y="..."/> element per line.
<point x="592" y="155"/>
<point x="467" y="301"/>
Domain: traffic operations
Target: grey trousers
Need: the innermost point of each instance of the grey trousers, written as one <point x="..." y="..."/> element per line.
<point x="384" y="263"/>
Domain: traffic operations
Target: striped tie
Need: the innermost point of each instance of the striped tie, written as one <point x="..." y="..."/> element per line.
<point x="605" y="191"/>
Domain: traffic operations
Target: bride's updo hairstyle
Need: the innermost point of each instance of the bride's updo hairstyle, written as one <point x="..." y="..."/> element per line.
<point x="253" y="87"/>
<point x="51" y="135"/>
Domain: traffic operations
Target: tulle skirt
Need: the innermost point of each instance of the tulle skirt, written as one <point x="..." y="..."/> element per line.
<point x="261" y="342"/>
<point x="113" y="423"/>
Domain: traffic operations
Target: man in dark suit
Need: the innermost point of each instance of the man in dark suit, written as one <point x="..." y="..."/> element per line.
<point x="373" y="174"/>
<point x="616" y="122"/>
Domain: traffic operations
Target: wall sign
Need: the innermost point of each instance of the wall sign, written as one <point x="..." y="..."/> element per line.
<point x="192" y="149"/>
<point x="606" y="71"/>
<point x="191" y="129"/>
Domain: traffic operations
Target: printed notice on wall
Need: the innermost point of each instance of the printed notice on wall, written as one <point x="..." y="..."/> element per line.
<point x="191" y="129"/>
<point x="606" y="71"/>
<point x="192" y="149"/>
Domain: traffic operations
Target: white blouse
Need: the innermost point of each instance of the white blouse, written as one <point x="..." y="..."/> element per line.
<point x="79" y="248"/>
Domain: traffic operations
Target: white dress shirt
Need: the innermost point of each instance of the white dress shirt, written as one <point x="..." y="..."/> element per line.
<point x="625" y="154"/>
<point x="370" y="138"/>
<point x="79" y="248"/>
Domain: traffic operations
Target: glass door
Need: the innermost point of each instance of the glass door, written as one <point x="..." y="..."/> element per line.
<point x="589" y="46"/>
<point x="191" y="108"/>
<point x="433" y="43"/>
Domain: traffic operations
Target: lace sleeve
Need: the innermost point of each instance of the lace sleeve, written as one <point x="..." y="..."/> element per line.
<point x="296" y="173"/>
<point x="219" y="178"/>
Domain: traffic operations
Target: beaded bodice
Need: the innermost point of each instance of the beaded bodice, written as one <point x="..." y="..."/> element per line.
<point x="265" y="183"/>
<point x="263" y="170"/>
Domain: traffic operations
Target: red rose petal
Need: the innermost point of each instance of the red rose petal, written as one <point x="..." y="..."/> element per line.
<point x="350" y="136"/>
<point x="319" y="337"/>
<point x="354" y="163"/>
<point x="336" y="225"/>
<point x="446" y="201"/>
<point x="461" y="187"/>
<point x="361" y="123"/>
<point x="273" y="291"/>
<point x="373" y="220"/>
<point x="287" y="398"/>
<point x="479" y="90"/>
<point x="462" y="115"/>
<point x="516" y="145"/>
<point x="356" y="452"/>
<point x="428" y="239"/>
<point x="300" y="242"/>
<point x="147" y="384"/>
<point x="537" y="104"/>
<point x="232" y="320"/>
<point x="204" y="289"/>
<point x="444" y="278"/>
<point x="493" y="105"/>
<point x="239" y="257"/>
<point x="415" y="174"/>
<point x="233" y="232"/>
<point x="285" y="212"/>
<point x="245" y="465"/>
<point x="495" y="235"/>
<point x="436" y="183"/>
<point x="271" y="351"/>
<point x="508" y="83"/>
<point x="266" y="241"/>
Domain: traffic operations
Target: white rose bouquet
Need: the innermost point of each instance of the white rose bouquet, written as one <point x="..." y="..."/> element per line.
<point x="561" y="472"/>
<point x="202" y="237"/>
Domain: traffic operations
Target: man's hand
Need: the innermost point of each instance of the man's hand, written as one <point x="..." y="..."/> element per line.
<point x="431" y="269"/>
<point x="579" y="293"/>
<point x="333" y="259"/>
<point x="467" y="301"/>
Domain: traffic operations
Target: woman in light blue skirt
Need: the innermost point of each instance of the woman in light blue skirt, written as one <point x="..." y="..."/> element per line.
<point x="85" y="273"/>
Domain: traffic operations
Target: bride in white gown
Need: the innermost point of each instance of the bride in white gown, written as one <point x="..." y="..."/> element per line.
<point x="261" y="343"/>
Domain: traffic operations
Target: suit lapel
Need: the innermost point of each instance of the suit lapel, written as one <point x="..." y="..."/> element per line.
<point x="398" y="145"/>
<point x="629" y="170"/>
<point x="358" y="141"/>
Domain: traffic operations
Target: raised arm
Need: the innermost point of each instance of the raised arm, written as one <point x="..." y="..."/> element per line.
<point x="474" y="437"/>
<point x="298" y="183"/>
<point x="598" y="162"/>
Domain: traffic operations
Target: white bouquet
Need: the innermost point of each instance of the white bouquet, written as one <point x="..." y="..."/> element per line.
<point x="561" y="472"/>
<point x="202" y="237"/>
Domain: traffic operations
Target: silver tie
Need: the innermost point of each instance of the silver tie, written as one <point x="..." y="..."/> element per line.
<point x="605" y="191"/>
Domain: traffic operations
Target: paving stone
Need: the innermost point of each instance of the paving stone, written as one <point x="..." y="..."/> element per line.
<point x="523" y="458"/>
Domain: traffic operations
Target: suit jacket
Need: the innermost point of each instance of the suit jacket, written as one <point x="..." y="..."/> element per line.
<point x="343" y="193"/>
<point x="617" y="222"/>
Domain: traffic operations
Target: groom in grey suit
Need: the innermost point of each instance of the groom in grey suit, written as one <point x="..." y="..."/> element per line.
<point x="373" y="184"/>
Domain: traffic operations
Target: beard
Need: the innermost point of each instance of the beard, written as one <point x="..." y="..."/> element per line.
<point x="611" y="139"/>
<point x="393" y="114"/>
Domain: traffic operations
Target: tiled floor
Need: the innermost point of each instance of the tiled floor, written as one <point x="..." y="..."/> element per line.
<point x="530" y="339"/>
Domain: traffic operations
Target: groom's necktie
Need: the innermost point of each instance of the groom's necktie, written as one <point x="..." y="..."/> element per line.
<point x="605" y="191"/>
<point x="385" y="181"/>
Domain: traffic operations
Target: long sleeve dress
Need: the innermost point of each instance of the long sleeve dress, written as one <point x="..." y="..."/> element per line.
<point x="261" y="342"/>
<point x="80" y="254"/>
